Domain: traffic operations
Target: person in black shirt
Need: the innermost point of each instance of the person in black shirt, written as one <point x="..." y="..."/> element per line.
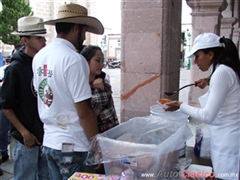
<point x="19" y="103"/>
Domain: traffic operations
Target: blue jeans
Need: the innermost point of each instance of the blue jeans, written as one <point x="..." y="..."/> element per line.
<point x="63" y="165"/>
<point x="4" y="129"/>
<point x="29" y="163"/>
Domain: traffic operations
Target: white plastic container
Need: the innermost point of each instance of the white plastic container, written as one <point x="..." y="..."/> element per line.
<point x="157" y="110"/>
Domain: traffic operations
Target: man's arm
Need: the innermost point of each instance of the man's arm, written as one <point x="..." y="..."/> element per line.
<point x="28" y="138"/>
<point x="87" y="117"/>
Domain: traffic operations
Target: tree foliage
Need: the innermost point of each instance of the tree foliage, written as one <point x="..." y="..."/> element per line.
<point x="12" y="10"/>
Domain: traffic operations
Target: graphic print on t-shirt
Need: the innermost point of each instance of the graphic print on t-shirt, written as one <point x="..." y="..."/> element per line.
<point x="45" y="92"/>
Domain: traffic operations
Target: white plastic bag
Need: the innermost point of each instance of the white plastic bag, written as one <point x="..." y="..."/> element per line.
<point x="202" y="141"/>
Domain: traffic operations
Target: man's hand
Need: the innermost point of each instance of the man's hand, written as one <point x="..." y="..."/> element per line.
<point x="98" y="83"/>
<point x="29" y="140"/>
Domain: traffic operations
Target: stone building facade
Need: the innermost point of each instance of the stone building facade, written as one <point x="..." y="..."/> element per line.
<point x="48" y="10"/>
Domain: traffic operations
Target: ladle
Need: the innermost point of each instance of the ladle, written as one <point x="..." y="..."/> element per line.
<point x="175" y="92"/>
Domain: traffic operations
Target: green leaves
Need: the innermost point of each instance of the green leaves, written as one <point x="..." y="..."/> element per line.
<point x="12" y="10"/>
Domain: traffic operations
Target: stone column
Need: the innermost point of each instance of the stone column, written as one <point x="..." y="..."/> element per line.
<point x="206" y="17"/>
<point x="228" y="20"/>
<point x="92" y="11"/>
<point x="236" y="29"/>
<point x="150" y="56"/>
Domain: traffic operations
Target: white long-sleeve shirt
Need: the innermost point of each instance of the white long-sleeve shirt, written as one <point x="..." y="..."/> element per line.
<point x="223" y="100"/>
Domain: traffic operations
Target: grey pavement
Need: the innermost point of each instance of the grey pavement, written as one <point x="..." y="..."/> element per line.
<point x="115" y="78"/>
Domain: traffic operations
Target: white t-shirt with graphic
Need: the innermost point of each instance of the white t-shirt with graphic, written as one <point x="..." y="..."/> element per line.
<point x="61" y="80"/>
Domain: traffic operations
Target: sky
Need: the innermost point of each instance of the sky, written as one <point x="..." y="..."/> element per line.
<point x="109" y="13"/>
<point x="186" y="17"/>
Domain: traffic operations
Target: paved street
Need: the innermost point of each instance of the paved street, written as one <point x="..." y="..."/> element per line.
<point x="115" y="78"/>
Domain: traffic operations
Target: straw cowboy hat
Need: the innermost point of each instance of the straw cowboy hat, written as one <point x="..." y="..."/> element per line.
<point x="74" y="13"/>
<point x="30" y="26"/>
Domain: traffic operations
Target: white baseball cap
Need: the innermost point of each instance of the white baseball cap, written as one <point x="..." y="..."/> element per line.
<point x="204" y="41"/>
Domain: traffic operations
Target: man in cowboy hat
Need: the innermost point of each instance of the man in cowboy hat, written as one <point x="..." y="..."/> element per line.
<point x="19" y="102"/>
<point x="61" y="80"/>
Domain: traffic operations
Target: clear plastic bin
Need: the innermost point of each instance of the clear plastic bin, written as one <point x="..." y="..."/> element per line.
<point x="144" y="144"/>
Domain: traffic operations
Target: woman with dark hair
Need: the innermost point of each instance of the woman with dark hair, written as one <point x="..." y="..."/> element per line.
<point x="220" y="106"/>
<point x="102" y="101"/>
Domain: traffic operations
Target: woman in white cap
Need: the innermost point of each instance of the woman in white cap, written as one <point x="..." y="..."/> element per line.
<point x="220" y="105"/>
